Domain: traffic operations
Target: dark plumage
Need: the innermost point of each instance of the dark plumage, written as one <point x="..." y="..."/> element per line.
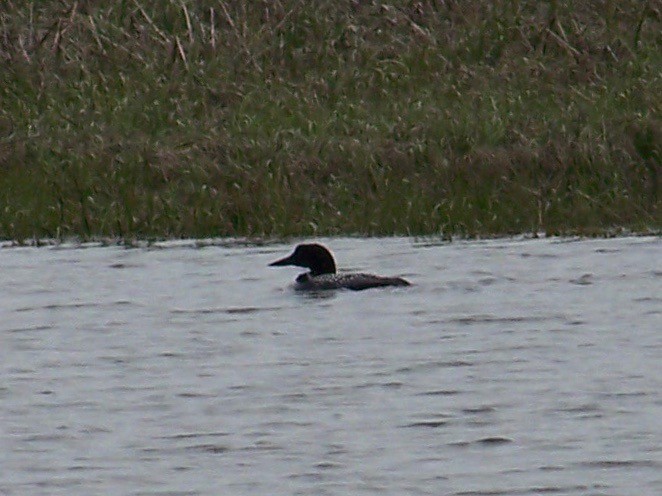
<point x="323" y="275"/>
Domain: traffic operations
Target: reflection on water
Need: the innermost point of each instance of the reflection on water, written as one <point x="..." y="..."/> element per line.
<point x="510" y="367"/>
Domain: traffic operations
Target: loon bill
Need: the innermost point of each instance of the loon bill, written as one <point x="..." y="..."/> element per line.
<point x="323" y="275"/>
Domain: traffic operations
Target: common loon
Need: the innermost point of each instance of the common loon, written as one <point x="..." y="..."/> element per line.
<point x="323" y="275"/>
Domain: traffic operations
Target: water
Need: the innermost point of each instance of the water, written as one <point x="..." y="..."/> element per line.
<point x="511" y="367"/>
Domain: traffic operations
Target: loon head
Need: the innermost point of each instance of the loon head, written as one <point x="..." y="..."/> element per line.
<point x="313" y="256"/>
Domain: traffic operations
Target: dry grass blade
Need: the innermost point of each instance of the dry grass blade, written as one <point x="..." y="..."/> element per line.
<point x="189" y="28"/>
<point x="212" y="28"/>
<point x="180" y="50"/>
<point x="156" y="29"/>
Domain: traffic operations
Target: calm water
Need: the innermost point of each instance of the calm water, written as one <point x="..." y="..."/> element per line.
<point x="511" y="367"/>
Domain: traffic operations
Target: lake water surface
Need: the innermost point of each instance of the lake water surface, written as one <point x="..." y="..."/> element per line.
<point x="510" y="367"/>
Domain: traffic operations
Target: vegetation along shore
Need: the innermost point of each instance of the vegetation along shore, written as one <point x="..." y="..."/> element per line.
<point x="142" y="119"/>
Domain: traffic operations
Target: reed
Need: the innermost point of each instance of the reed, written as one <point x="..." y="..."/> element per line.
<point x="173" y="118"/>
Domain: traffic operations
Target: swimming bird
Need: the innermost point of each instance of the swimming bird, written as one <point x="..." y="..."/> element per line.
<point x="323" y="275"/>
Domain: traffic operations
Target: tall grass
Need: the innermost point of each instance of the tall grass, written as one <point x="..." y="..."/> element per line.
<point x="174" y="118"/>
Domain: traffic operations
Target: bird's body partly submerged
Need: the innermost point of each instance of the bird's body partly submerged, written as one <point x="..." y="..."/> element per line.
<point x="323" y="275"/>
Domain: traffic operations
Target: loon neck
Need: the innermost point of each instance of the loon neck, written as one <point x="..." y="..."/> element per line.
<point x="307" y="276"/>
<point x="319" y="271"/>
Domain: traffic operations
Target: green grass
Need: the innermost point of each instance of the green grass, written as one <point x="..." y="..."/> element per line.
<point x="170" y="118"/>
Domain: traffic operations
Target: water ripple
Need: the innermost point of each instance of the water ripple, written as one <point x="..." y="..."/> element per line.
<point x="229" y="311"/>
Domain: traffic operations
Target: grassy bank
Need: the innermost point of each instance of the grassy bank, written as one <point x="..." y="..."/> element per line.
<point x="169" y="118"/>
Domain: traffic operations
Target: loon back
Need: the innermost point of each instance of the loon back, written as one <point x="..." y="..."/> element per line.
<point x="355" y="282"/>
